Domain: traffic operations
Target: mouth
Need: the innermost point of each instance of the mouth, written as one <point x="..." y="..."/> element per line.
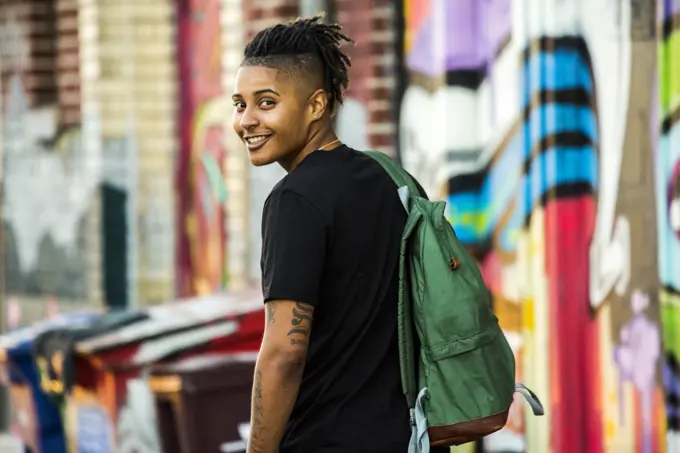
<point x="255" y="142"/>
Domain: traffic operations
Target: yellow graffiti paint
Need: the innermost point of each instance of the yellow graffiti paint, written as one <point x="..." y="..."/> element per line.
<point x="528" y="320"/>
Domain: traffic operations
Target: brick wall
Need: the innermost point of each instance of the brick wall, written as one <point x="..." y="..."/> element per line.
<point x="371" y="23"/>
<point x="259" y="14"/>
<point x="40" y="70"/>
<point x="68" y="61"/>
<point x="130" y="60"/>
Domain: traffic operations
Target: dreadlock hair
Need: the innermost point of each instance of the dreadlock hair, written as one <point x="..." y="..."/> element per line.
<point x="304" y="45"/>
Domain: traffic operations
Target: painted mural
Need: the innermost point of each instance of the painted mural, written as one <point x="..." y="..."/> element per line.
<point x="548" y="127"/>
<point x="48" y="169"/>
<point x="666" y="143"/>
<point x="201" y="166"/>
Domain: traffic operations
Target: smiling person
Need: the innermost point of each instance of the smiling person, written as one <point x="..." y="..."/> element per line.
<point x="327" y="378"/>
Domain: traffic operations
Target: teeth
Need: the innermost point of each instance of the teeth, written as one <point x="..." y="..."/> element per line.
<point x="259" y="138"/>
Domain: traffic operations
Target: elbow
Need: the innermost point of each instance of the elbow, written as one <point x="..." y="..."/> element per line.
<point x="289" y="365"/>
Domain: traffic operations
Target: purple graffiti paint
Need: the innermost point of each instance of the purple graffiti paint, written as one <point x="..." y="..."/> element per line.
<point x="671" y="383"/>
<point x="468" y="37"/>
<point x="671" y="7"/>
<point x="636" y="357"/>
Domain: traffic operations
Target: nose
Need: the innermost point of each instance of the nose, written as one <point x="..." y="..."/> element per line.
<point x="248" y="120"/>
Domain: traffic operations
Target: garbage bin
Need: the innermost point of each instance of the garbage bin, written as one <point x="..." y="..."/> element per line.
<point x="114" y="366"/>
<point x="35" y="418"/>
<point x="53" y="352"/>
<point x="203" y="403"/>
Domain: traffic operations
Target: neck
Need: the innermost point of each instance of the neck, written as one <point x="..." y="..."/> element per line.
<point x="318" y="140"/>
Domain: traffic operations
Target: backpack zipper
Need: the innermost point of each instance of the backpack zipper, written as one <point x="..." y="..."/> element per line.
<point x="440" y="224"/>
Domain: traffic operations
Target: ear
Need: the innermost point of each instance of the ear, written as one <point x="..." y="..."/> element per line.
<point x="318" y="103"/>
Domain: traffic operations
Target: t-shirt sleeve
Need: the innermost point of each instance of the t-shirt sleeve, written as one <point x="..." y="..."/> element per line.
<point x="293" y="248"/>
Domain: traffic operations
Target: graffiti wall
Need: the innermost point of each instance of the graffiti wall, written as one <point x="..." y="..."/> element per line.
<point x="666" y="144"/>
<point x="51" y="176"/>
<point x="201" y="165"/>
<point x="547" y="126"/>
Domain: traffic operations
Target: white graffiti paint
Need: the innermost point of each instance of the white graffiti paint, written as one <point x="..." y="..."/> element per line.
<point x="261" y="181"/>
<point x="117" y="155"/>
<point x="606" y="25"/>
<point x="351" y="124"/>
<point x="156" y="228"/>
<point x="431" y="125"/>
<point x="137" y="420"/>
<point x="674" y="214"/>
<point x="48" y="191"/>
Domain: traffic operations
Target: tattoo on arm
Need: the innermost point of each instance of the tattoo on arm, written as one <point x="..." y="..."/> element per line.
<point x="257" y="433"/>
<point x="301" y="323"/>
<point x="271" y="310"/>
<point x="282" y="374"/>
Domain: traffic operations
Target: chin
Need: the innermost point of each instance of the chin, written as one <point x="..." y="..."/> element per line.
<point x="260" y="160"/>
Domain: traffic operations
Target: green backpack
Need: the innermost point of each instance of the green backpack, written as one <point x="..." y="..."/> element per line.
<point x="461" y="383"/>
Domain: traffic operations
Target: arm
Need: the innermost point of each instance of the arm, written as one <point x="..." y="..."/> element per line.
<point x="278" y="372"/>
<point x="293" y="255"/>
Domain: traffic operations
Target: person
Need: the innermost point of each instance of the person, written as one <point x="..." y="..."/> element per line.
<point x="327" y="377"/>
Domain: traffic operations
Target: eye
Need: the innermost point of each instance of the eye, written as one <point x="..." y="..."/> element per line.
<point x="240" y="105"/>
<point x="267" y="104"/>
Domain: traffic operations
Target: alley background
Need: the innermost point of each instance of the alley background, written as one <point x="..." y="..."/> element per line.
<point x="550" y="126"/>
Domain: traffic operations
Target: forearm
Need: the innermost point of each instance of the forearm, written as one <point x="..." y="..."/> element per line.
<point x="275" y="389"/>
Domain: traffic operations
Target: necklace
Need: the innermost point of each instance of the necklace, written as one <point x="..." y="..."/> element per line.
<point x="329" y="144"/>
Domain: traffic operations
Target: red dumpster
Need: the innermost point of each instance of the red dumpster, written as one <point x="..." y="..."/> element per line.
<point x="203" y="403"/>
<point x="114" y="366"/>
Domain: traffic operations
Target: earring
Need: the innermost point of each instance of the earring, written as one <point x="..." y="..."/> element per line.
<point x="316" y="116"/>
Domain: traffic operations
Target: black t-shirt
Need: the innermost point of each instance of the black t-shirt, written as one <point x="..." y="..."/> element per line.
<point x="331" y="233"/>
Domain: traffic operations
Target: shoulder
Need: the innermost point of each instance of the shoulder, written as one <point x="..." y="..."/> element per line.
<point x="287" y="199"/>
<point x="331" y="171"/>
<point x="314" y="180"/>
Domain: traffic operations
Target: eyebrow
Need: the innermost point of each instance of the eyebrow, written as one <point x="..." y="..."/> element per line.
<point x="259" y="92"/>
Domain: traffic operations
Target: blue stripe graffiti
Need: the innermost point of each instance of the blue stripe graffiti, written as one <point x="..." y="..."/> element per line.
<point x="519" y="176"/>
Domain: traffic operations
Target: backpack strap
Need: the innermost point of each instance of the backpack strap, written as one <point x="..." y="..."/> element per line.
<point x="407" y="361"/>
<point x="531" y="399"/>
<point x="400" y="177"/>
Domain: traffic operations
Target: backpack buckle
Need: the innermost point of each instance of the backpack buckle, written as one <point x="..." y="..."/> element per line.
<point x="454" y="264"/>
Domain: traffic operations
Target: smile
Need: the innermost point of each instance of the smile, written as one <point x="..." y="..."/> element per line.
<point x="256" y="141"/>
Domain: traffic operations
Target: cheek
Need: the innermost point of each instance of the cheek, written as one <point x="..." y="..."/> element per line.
<point x="285" y="124"/>
<point x="293" y="124"/>
<point x="279" y="120"/>
<point x="236" y="122"/>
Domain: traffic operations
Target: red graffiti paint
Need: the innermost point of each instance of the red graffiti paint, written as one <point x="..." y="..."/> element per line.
<point x="576" y="423"/>
<point x="202" y="240"/>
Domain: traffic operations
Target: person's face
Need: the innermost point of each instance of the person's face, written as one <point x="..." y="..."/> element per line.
<point x="272" y="115"/>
